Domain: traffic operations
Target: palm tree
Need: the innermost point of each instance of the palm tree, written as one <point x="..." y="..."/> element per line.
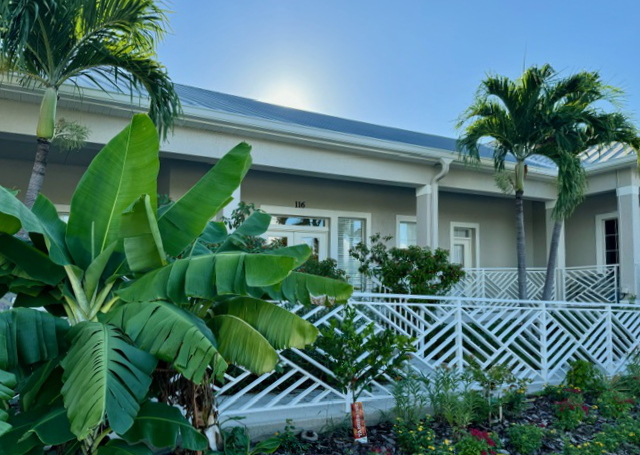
<point x="45" y="43"/>
<point x="510" y="113"/>
<point x="577" y="121"/>
<point x="541" y="114"/>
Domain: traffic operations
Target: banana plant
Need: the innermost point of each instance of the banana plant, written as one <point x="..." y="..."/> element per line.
<point x="125" y="285"/>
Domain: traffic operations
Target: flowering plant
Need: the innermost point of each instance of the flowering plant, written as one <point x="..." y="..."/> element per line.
<point x="419" y="438"/>
<point x="477" y="442"/>
<point x="615" y="405"/>
<point x="571" y="412"/>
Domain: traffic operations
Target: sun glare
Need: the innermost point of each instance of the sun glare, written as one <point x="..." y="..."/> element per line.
<point x="287" y="95"/>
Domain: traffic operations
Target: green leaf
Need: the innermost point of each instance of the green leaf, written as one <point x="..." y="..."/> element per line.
<point x="300" y="253"/>
<point x="35" y="428"/>
<point x="256" y="224"/>
<point x="269" y="445"/>
<point x="95" y="270"/>
<point x="311" y="290"/>
<point x="42" y="387"/>
<point x="123" y="170"/>
<point x="7" y="383"/>
<point x="104" y="376"/>
<point x="171" y="334"/>
<point x="184" y="221"/>
<point x="16" y="215"/>
<point x="120" y="447"/>
<point x="55" y="230"/>
<point x="161" y="426"/>
<point x="226" y="273"/>
<point x="142" y="242"/>
<point x="215" y="232"/>
<point x="279" y="326"/>
<point x="29" y="337"/>
<point x="34" y="262"/>
<point x="241" y="344"/>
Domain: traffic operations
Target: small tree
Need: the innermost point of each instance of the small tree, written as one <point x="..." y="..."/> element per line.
<point x="358" y="353"/>
<point x="413" y="270"/>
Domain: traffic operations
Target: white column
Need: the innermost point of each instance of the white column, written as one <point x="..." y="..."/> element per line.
<point x="628" y="237"/>
<point x="423" y="216"/>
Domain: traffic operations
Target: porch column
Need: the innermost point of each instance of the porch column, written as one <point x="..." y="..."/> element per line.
<point x="628" y="237"/>
<point x="423" y="216"/>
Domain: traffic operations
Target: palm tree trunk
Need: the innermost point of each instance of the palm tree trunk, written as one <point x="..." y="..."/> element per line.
<point x="522" y="254"/>
<point x="553" y="261"/>
<point x="38" y="172"/>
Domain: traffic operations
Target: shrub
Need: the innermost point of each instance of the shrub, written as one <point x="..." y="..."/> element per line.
<point x="327" y="268"/>
<point x="346" y="344"/>
<point x="614" y="404"/>
<point x="525" y="439"/>
<point x="477" y="443"/>
<point x="586" y="376"/>
<point x="414" y="270"/>
<point x="236" y="441"/>
<point x="570" y="412"/>
<point x="418" y="438"/>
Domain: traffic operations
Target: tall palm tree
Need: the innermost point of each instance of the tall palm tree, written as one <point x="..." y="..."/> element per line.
<point x="577" y="120"/>
<point x="541" y="114"/>
<point x="45" y="43"/>
<point x="509" y="113"/>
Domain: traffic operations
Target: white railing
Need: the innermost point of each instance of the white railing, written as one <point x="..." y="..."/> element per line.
<point x="536" y="339"/>
<point x="574" y="284"/>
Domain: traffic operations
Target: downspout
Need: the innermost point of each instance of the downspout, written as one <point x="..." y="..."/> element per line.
<point x="445" y="163"/>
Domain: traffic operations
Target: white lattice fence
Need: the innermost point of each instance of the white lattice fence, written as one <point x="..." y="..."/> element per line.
<point x="537" y="340"/>
<point x="573" y="284"/>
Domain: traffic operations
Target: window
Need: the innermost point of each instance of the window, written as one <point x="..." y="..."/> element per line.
<point x="611" y="251"/>
<point x="351" y="231"/>
<point x="407" y="234"/>
<point x="298" y="221"/>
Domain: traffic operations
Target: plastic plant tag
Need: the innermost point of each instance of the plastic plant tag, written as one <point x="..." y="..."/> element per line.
<point x="359" y="427"/>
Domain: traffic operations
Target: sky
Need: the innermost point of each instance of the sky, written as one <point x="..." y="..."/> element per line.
<point x="412" y="64"/>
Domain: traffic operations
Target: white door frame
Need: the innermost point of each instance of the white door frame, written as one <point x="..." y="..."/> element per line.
<point x="332" y="215"/>
<point x="600" y="219"/>
<point x="475" y="238"/>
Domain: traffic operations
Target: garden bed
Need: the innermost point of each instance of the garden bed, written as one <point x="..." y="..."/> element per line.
<point x="596" y="434"/>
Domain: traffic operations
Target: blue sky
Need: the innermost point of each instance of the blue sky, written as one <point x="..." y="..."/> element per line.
<point x="413" y="64"/>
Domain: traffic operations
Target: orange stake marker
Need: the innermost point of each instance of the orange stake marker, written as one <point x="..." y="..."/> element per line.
<point x="359" y="427"/>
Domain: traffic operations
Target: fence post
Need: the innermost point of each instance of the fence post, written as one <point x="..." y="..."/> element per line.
<point x="610" y="340"/>
<point x="544" y="354"/>
<point x="459" y="337"/>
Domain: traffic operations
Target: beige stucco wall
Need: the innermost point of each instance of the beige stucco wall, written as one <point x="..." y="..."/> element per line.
<point x="496" y="219"/>
<point x="580" y="238"/>
<point x="381" y="201"/>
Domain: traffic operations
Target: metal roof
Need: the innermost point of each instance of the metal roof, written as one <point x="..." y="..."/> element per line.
<point x="250" y="108"/>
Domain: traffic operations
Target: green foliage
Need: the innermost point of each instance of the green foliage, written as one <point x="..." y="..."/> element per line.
<point x="414" y="270"/>
<point x="237" y="442"/>
<point x="290" y="443"/>
<point x="451" y="398"/>
<point x="585" y="376"/>
<point x="500" y="389"/>
<point x="416" y="437"/>
<point x="409" y="396"/>
<point x="113" y="271"/>
<point x="70" y="136"/>
<point x="615" y="405"/>
<point x="570" y="412"/>
<point x="526" y="439"/>
<point x="327" y="268"/>
<point x="358" y="353"/>
<point x="477" y="442"/>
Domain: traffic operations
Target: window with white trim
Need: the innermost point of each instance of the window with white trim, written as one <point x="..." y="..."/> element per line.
<point x="407" y="234"/>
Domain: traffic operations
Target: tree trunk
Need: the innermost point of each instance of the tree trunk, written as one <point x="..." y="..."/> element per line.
<point x="38" y="172"/>
<point x="552" y="263"/>
<point x="522" y="254"/>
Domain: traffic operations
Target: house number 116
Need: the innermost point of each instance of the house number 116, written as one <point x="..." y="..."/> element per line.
<point x="301" y="204"/>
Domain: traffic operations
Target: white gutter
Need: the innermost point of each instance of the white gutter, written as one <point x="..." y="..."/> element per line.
<point x="435" y="230"/>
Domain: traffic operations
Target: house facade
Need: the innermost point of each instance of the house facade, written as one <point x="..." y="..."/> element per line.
<point x="332" y="182"/>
